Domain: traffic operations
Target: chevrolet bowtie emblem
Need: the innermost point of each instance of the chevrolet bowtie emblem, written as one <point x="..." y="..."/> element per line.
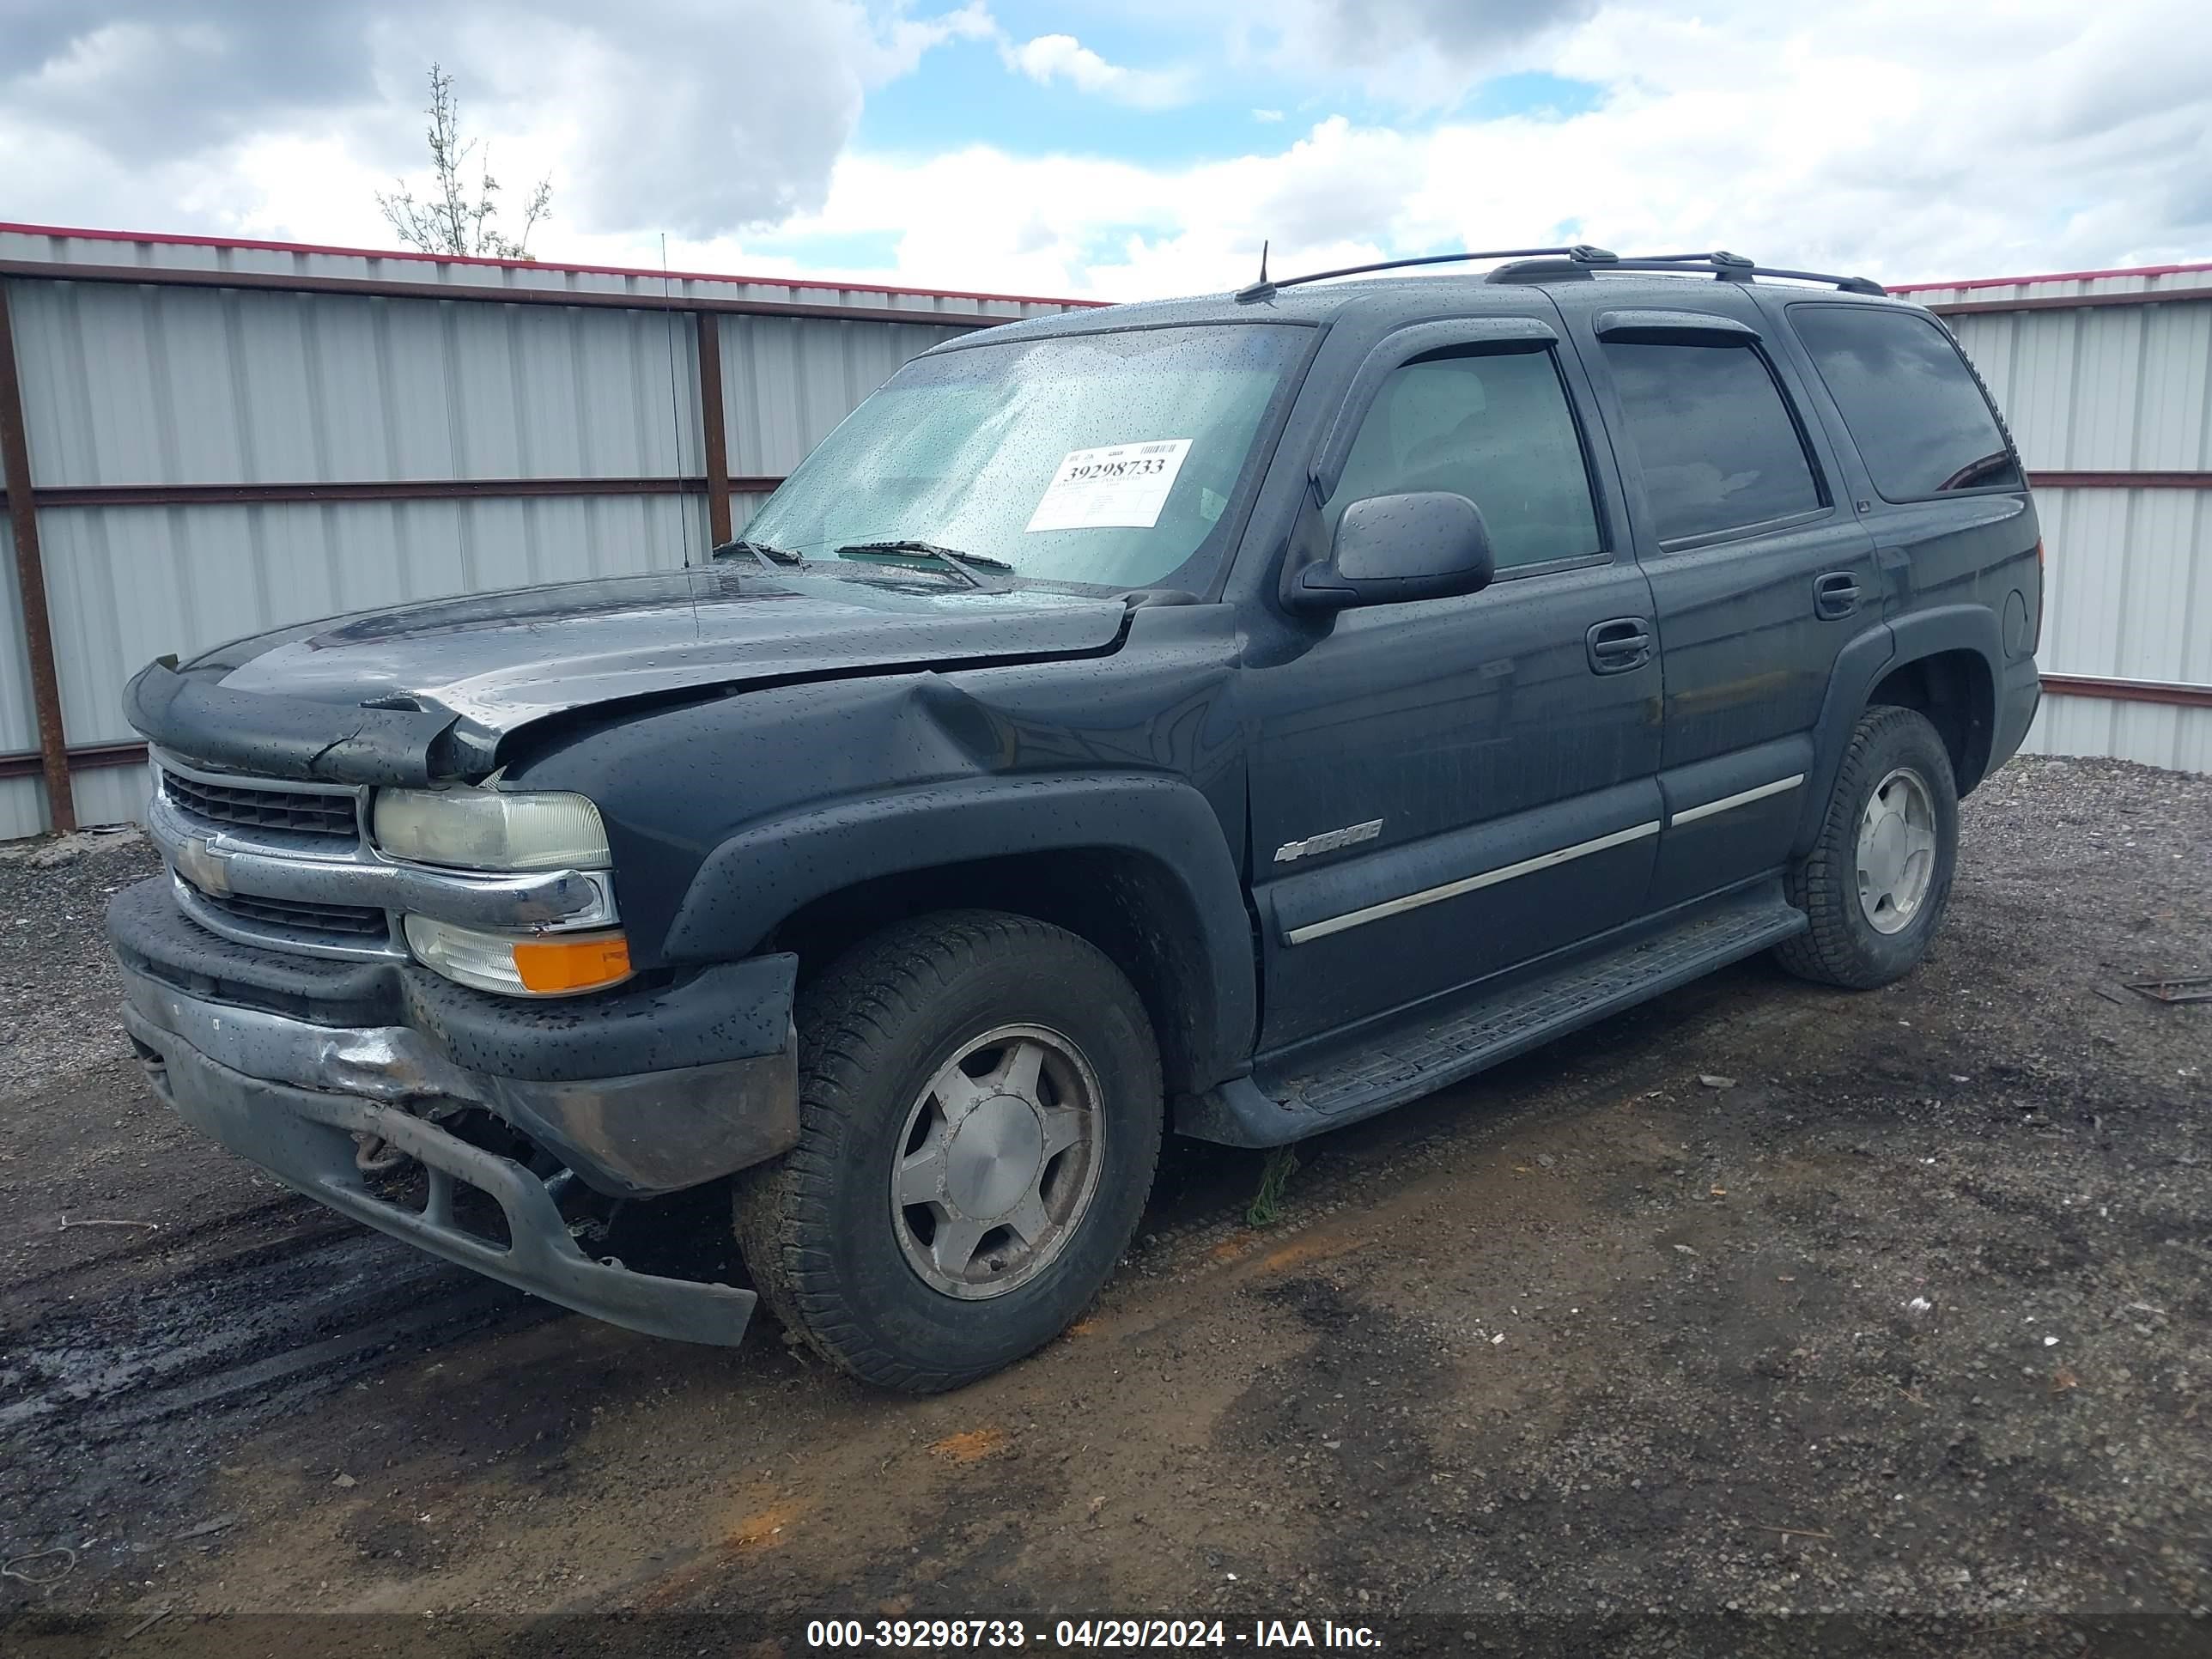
<point x="199" y="863"/>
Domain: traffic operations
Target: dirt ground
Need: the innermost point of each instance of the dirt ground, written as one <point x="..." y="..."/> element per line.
<point x="1760" y="1303"/>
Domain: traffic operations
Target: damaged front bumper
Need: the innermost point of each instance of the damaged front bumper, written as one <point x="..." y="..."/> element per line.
<point x="246" y="1045"/>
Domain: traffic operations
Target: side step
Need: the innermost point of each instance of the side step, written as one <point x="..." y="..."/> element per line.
<point x="1296" y="1094"/>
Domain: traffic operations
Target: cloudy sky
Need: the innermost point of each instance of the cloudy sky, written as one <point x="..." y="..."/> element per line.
<point x="1127" y="148"/>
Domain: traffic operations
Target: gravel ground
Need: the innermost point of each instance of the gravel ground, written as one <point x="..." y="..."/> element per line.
<point x="1907" y="1322"/>
<point x="57" y="988"/>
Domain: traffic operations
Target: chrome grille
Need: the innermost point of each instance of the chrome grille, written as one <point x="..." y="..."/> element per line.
<point x="338" y="923"/>
<point x="264" y="805"/>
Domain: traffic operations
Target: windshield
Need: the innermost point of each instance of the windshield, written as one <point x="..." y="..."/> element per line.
<point x="1104" y="458"/>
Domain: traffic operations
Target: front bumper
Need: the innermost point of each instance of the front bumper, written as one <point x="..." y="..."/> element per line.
<point x="285" y="1060"/>
<point x="304" y="1137"/>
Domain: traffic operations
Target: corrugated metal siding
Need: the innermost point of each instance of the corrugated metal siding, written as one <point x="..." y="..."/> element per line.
<point x="23" y="808"/>
<point x="109" y="795"/>
<point x="22" y="801"/>
<point x="127" y="585"/>
<point x="648" y="288"/>
<point x="125" y="384"/>
<point x="19" y="724"/>
<point x="786" y="381"/>
<point x="2112" y="389"/>
<point x="2156" y="735"/>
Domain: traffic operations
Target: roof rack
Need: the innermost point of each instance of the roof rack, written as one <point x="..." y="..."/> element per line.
<point x="1536" y="264"/>
<point x="1725" y="267"/>
<point x="1580" y="255"/>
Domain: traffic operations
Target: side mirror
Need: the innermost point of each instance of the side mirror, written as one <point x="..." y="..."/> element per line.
<point x="1431" y="544"/>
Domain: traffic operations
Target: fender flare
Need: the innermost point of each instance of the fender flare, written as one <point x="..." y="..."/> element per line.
<point x="1863" y="664"/>
<point x="767" y="871"/>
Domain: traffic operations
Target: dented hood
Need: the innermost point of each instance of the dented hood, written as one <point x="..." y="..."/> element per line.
<point x="427" y="690"/>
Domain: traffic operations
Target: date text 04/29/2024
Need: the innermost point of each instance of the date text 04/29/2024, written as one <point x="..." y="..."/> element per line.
<point x="1106" y="1635"/>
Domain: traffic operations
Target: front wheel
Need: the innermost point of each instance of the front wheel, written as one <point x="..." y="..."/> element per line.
<point x="1878" y="878"/>
<point x="980" y="1113"/>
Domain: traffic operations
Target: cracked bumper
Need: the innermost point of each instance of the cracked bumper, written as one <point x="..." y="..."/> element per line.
<point x="306" y="1139"/>
<point x="285" y="1060"/>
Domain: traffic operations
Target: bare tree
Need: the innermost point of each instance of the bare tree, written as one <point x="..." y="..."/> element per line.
<point x="447" y="220"/>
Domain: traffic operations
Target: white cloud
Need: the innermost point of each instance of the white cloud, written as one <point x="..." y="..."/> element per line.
<point x="1934" y="148"/>
<point x="900" y="46"/>
<point x="1932" y="145"/>
<point x="1051" y="57"/>
<point x="1416" y="54"/>
<point x="1266" y="115"/>
<point x="697" y="116"/>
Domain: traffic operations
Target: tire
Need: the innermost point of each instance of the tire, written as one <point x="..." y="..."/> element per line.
<point x="864" y="1281"/>
<point x="1862" y="944"/>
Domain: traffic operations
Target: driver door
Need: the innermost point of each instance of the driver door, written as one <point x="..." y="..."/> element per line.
<point x="1442" y="790"/>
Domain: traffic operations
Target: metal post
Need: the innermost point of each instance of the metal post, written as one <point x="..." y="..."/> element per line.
<point x="710" y="420"/>
<point x="31" y="585"/>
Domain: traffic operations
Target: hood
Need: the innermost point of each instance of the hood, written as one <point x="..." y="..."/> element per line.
<point x="472" y="669"/>
<point x="500" y="660"/>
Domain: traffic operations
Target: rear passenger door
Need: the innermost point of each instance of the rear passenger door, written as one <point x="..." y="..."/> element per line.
<point x="1759" y="571"/>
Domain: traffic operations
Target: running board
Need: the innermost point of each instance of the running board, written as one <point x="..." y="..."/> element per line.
<point x="1291" y="1096"/>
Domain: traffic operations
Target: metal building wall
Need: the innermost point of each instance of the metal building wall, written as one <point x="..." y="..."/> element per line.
<point x="21" y="806"/>
<point x="259" y="436"/>
<point x="2107" y="379"/>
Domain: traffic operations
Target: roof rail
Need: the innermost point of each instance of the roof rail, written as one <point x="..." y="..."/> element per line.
<point x="1725" y="267"/>
<point x="1580" y="254"/>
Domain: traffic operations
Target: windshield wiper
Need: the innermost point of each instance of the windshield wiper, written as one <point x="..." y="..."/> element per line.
<point x="770" y="556"/>
<point x="963" y="564"/>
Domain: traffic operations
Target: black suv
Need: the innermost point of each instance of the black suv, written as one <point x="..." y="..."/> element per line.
<point x="1236" y="715"/>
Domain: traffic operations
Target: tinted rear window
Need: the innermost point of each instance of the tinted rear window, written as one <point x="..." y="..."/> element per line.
<point x="1716" y="444"/>
<point x="1921" y="422"/>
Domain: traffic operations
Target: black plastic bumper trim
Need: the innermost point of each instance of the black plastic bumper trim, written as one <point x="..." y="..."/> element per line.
<point x="305" y="1138"/>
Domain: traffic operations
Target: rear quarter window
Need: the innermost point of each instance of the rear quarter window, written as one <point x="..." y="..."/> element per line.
<point x="1915" y="411"/>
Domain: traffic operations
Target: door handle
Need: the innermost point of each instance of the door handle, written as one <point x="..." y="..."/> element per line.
<point x="1835" y="594"/>
<point x="1619" y="645"/>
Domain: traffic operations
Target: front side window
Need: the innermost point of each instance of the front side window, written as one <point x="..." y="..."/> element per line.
<point x="1493" y="427"/>
<point x="1105" y="459"/>
<point x="1921" y="423"/>
<point x="1716" y="444"/>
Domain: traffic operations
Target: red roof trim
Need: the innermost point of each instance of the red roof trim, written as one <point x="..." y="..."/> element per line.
<point x="2055" y="276"/>
<point x="526" y="265"/>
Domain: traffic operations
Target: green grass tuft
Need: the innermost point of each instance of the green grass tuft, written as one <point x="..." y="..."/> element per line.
<point x="1266" y="1207"/>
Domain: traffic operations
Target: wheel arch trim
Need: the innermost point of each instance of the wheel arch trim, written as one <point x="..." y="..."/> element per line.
<point x="1863" y="663"/>
<point x="767" y="872"/>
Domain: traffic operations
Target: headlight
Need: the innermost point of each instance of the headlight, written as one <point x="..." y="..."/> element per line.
<point x="545" y="965"/>
<point x="491" y="829"/>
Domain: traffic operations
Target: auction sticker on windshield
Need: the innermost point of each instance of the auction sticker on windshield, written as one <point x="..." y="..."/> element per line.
<point x="1122" y="486"/>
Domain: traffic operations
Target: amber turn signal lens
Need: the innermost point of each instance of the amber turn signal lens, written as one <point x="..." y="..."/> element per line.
<point x="572" y="965"/>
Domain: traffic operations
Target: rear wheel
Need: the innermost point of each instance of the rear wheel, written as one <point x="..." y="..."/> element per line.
<point x="1878" y="878"/>
<point x="979" y="1120"/>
